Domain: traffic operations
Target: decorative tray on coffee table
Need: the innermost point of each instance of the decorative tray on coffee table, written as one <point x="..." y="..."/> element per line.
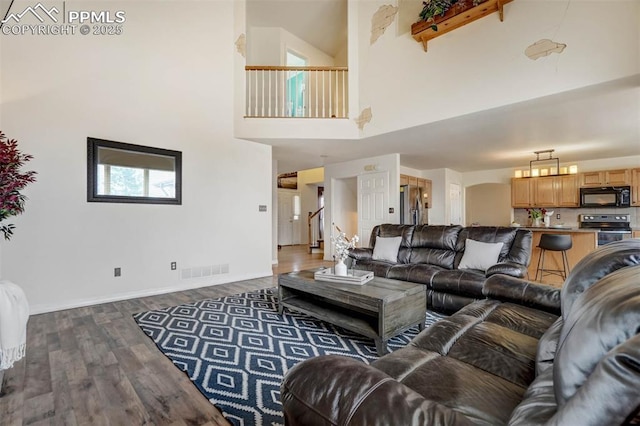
<point x="352" y="277"/>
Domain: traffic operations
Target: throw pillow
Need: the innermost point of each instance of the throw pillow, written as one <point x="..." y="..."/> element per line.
<point x="387" y="249"/>
<point x="479" y="255"/>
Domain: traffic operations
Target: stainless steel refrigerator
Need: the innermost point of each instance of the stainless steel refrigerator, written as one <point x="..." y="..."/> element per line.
<point x="411" y="208"/>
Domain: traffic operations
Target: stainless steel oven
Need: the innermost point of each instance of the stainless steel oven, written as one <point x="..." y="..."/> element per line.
<point x="611" y="227"/>
<point x="606" y="237"/>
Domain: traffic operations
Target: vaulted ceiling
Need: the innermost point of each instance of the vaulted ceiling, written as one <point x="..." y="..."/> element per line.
<point x="601" y="121"/>
<point x="321" y="23"/>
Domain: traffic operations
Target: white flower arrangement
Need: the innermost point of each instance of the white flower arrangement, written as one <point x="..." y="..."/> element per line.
<point x="343" y="244"/>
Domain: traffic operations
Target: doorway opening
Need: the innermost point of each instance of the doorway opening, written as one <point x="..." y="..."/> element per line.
<point x="344" y="199"/>
<point x="296" y="85"/>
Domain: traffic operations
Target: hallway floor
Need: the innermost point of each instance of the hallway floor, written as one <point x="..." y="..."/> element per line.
<point x="297" y="258"/>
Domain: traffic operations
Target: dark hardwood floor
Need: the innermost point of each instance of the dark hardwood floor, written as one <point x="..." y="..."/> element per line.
<point x="94" y="366"/>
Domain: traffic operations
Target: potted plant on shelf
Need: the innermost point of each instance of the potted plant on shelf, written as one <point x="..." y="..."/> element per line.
<point x="436" y="11"/>
<point x="12" y="181"/>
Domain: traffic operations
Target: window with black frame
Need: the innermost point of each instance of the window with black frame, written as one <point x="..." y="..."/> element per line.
<point x="125" y="173"/>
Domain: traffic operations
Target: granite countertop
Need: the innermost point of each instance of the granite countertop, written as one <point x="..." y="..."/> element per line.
<point x="558" y="229"/>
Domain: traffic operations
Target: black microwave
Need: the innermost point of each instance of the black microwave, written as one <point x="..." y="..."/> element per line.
<point x="607" y="196"/>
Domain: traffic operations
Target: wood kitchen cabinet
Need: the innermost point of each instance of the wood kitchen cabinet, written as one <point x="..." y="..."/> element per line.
<point x="568" y="193"/>
<point x="635" y="187"/>
<point x="547" y="191"/>
<point x="521" y="193"/>
<point x="618" y="177"/>
<point x="606" y="177"/>
<point x="545" y="194"/>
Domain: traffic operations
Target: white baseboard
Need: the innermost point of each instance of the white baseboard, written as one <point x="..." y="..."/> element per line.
<point x="81" y="303"/>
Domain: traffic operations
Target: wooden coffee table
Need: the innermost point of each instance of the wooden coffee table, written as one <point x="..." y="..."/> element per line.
<point x="379" y="309"/>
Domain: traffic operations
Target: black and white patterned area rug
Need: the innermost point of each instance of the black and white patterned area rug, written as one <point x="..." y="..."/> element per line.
<point x="237" y="349"/>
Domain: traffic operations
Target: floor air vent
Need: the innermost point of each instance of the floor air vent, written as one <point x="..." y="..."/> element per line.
<point x="204" y="271"/>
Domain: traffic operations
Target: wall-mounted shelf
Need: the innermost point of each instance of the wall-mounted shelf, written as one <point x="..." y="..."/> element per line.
<point x="455" y="18"/>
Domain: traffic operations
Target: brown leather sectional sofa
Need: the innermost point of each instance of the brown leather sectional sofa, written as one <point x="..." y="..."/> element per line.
<point x="498" y="363"/>
<point x="430" y="255"/>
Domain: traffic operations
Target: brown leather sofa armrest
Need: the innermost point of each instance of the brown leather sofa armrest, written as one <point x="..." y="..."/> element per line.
<point x="523" y="292"/>
<point x="508" y="268"/>
<point x="361" y="253"/>
<point x="337" y="390"/>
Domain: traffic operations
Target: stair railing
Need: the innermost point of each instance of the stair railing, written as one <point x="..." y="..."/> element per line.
<point x="314" y="229"/>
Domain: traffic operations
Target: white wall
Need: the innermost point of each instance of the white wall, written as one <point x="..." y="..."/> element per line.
<point x="342" y="57"/>
<point x="488" y="204"/>
<point x="165" y="82"/>
<point x="268" y="46"/>
<point x="482" y="65"/>
<point x="264" y="46"/>
<point x="410" y="172"/>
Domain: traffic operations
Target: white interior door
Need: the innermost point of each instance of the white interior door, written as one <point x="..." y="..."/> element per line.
<point x="373" y="203"/>
<point x="288" y="218"/>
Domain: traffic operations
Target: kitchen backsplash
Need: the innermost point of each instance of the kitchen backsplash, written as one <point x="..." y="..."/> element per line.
<point x="569" y="216"/>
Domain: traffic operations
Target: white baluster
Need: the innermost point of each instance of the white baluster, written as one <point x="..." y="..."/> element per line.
<point x="315" y="74"/>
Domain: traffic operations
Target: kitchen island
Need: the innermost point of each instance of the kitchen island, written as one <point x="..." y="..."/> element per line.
<point x="584" y="241"/>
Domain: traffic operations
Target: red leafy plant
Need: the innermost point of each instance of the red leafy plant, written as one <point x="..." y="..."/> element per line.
<point x="12" y="181"/>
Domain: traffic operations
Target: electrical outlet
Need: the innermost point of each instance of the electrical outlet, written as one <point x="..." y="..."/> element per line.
<point x="558" y="216"/>
<point x="117" y="272"/>
<point x="174" y="266"/>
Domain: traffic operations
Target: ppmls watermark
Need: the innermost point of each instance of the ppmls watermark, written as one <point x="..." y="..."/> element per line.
<point x="42" y="20"/>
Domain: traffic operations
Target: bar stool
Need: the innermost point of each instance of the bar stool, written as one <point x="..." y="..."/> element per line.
<point x="554" y="242"/>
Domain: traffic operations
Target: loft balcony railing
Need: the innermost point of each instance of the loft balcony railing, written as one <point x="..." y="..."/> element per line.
<point x="304" y="92"/>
